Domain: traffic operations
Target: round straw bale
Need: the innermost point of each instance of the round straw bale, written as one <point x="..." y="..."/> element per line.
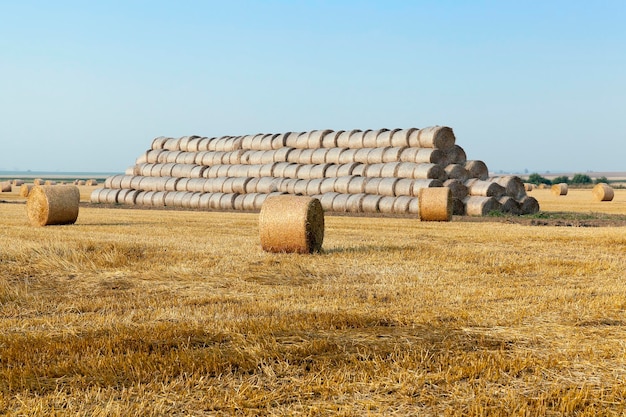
<point x="238" y="202"/>
<point x="169" y="198"/>
<point x="292" y="171"/>
<point x="383" y="140"/>
<point x="373" y="170"/>
<point x="509" y="205"/>
<point x="91" y="182"/>
<point x="181" y="185"/>
<point x="326" y="199"/>
<point x="267" y="170"/>
<point x="458" y="207"/>
<point x="386" y="186"/>
<point x="340" y="202"/>
<point x="457" y="171"/>
<point x="529" y="205"/>
<point x="402" y="203"/>
<point x="347" y="156"/>
<point x="192" y="145"/>
<point x="476" y="187"/>
<point x="477" y="169"/>
<point x="306" y="156"/>
<point x="401" y="137"/>
<point x="152" y="156"/>
<point x="359" y="169"/>
<point x="300" y="187"/>
<point x="227" y="202"/>
<point x="291" y="139"/>
<point x="135" y="182"/>
<point x="165" y="157"/>
<point x="435" y="204"/>
<point x="6" y="187"/>
<point x="603" y="192"/>
<point x="357" y="185"/>
<point x="25" y="190"/>
<point x="125" y="181"/>
<point x="195" y="185"/>
<point x="391" y="169"/>
<point x="80" y="182"/>
<point x="316" y="138"/>
<point x="170" y="184"/>
<point x="17" y="183"/>
<point x="404" y="186"/>
<point x="214" y="201"/>
<point x="166" y="170"/>
<point x="279" y="140"/>
<point x="559" y="189"/>
<point x="327" y="185"/>
<point x="319" y="156"/>
<point x="318" y="171"/>
<point x="171" y="144"/>
<point x="372" y="185"/>
<point x="248" y="201"/>
<point x="265" y="142"/>
<point x="47" y="205"/>
<point x="342" y="139"/>
<point x="127" y="171"/>
<point x="158" y="198"/>
<point x="368" y="139"/>
<point x="341" y="184"/>
<point x="355" y="203"/>
<point x="185" y="200"/>
<point x="236" y="185"/>
<point x="370" y="203"/>
<point x="430" y="171"/>
<point x="385" y="204"/>
<point x="440" y="137"/>
<point x="302" y="142"/>
<point x="267" y="156"/>
<point x="480" y="206"/>
<point x="204" y="201"/>
<point x="282" y="154"/>
<point x="48" y="182"/>
<point x="304" y="172"/>
<point x="144" y="198"/>
<point x="329" y="140"/>
<point x="197" y="171"/>
<point x="513" y="185"/>
<point x="246" y="142"/>
<point x="279" y="169"/>
<point x="344" y="169"/>
<point x="458" y="189"/>
<point x="294" y="156"/>
<point x="291" y="224"/>
<point x="95" y="195"/>
<point x="314" y="187"/>
<point x="454" y="155"/>
<point x="253" y="171"/>
<point x="157" y="143"/>
<point x="374" y="156"/>
<point x="183" y="144"/>
<point x="392" y="154"/>
<point x="356" y="140"/>
<point x="529" y="186"/>
<point x="38" y="181"/>
<point x="203" y="144"/>
<point x="214" y="185"/>
<point x="333" y="155"/>
<point x="288" y="185"/>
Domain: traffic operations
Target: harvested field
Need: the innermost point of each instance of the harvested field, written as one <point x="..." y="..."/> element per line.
<point x="174" y="312"/>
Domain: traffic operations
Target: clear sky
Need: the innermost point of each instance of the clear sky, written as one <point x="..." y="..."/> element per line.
<point x="537" y="85"/>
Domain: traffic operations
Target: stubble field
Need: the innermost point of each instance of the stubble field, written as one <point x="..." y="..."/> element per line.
<point x="161" y="312"/>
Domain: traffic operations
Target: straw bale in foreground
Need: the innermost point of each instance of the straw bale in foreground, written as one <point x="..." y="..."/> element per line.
<point x="291" y="224"/>
<point x="50" y="205"/>
<point x="559" y="189"/>
<point x="435" y="204"/>
<point x="603" y="192"/>
<point x="529" y="205"/>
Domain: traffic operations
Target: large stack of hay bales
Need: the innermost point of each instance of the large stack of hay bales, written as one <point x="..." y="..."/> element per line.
<point x="369" y="171"/>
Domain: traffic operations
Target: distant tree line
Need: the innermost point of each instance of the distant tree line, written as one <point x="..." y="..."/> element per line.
<point x="581" y="179"/>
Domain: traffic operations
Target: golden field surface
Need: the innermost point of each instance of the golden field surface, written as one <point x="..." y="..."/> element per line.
<point x="170" y="312"/>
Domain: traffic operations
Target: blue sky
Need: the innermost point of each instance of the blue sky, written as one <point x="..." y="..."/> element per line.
<point x="537" y="85"/>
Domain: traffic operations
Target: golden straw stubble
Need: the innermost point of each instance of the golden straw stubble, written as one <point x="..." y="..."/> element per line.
<point x="53" y="205"/>
<point x="292" y="224"/>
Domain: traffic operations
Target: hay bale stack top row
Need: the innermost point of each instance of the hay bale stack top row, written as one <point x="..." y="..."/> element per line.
<point x="371" y="171"/>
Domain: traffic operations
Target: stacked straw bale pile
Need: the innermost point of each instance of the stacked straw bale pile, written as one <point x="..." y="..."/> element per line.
<point x="366" y="171"/>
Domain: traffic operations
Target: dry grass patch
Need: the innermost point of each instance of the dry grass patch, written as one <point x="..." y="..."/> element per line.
<point x="159" y="312"/>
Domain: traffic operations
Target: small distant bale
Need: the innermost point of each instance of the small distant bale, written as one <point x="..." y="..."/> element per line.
<point x="529" y="186"/>
<point x="542" y="186"/>
<point x="50" y="182"/>
<point x="53" y="205"/>
<point x="559" y="189"/>
<point x="38" y="181"/>
<point x="6" y="187"/>
<point x="91" y="182"/>
<point x="435" y="204"/>
<point x="291" y="224"/>
<point x="80" y="182"/>
<point x="603" y="192"/>
<point x="18" y="183"/>
<point x="25" y="190"/>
